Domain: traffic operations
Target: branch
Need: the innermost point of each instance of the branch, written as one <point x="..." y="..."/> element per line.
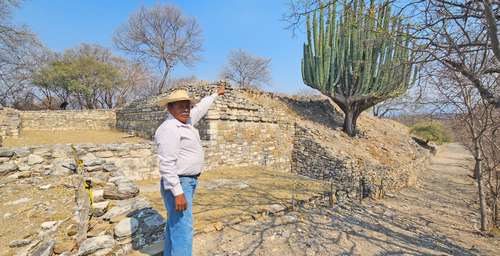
<point x="492" y="28"/>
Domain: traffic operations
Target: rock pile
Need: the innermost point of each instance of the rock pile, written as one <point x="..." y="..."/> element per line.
<point x="121" y="219"/>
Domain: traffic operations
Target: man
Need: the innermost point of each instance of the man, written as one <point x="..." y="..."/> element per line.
<point x="181" y="162"/>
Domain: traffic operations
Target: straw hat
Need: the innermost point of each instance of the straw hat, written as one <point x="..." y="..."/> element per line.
<point x="177" y="95"/>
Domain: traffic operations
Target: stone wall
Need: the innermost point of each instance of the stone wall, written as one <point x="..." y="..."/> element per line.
<point x="235" y="132"/>
<point x="351" y="177"/>
<point x="136" y="161"/>
<point x="9" y="123"/>
<point x="237" y="144"/>
<point x="68" y="120"/>
<point x="122" y="220"/>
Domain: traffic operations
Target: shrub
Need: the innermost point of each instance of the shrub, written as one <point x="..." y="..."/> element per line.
<point x="434" y="132"/>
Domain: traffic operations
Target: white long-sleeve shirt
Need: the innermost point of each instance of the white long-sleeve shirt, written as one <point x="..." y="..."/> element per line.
<point x="179" y="146"/>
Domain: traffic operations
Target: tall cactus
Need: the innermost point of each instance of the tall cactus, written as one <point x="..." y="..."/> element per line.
<point x="359" y="59"/>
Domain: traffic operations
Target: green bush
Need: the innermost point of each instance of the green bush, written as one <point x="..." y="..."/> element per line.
<point x="434" y="132"/>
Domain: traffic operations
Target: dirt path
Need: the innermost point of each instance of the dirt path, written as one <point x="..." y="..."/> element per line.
<point x="437" y="217"/>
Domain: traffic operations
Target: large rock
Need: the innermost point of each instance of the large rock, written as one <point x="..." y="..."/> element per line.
<point x="19" y="243"/>
<point x="110" y="167"/>
<point x="35" y="159"/>
<point x="6" y="153"/>
<point x="63" y="167"/>
<point x="95" y="244"/>
<point x="93" y="162"/>
<point x="120" y="188"/>
<point x="22" y="152"/>
<point x="99" y="209"/>
<point x="126" y="228"/>
<point x="125" y="207"/>
<point x="153" y="223"/>
<point x="98" y="195"/>
<point x="43" y="249"/>
<point x="7" y="168"/>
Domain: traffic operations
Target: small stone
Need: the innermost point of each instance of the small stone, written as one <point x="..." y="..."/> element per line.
<point x="125" y="207"/>
<point x="94" y="244"/>
<point x="126" y="228"/>
<point x="7" y="215"/>
<point x="104" y="154"/>
<point x="219" y="226"/>
<point x="23" y="167"/>
<point x="44" y="249"/>
<point x="48" y="225"/>
<point x="19" y="243"/>
<point x="275" y="208"/>
<point x="35" y="159"/>
<point x="103" y="252"/>
<point x="24" y="175"/>
<point x="6" y="153"/>
<point x="110" y="167"/>
<point x="45" y="187"/>
<point x="93" y="162"/>
<point x="63" y="167"/>
<point x="117" y="219"/>
<point x="98" y="228"/>
<point x="94" y="168"/>
<point x="100" y="209"/>
<point x="98" y="195"/>
<point x="7" y="168"/>
<point x="71" y="230"/>
<point x="64" y="246"/>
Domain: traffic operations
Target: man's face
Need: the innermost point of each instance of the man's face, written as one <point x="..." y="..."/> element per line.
<point x="180" y="110"/>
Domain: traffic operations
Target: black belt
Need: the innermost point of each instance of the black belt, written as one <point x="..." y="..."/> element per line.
<point x="190" y="176"/>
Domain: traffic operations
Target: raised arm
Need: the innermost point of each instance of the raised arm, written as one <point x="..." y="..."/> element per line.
<point x="201" y="108"/>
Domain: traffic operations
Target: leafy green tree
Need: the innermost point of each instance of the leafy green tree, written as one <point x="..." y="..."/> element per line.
<point x="86" y="75"/>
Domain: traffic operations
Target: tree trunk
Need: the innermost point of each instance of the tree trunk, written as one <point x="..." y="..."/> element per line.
<point x="494" y="209"/>
<point x="163" y="81"/>
<point x="350" y="119"/>
<point x="477" y="173"/>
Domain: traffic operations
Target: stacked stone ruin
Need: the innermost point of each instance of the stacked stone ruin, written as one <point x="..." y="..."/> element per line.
<point x="121" y="220"/>
<point x="237" y="131"/>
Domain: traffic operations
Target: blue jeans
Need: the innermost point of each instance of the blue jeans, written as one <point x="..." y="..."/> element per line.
<point x="179" y="227"/>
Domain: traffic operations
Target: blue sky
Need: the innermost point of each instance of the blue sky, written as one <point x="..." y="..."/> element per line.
<point x="253" y="25"/>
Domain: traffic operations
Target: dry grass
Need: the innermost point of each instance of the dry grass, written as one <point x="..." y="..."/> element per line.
<point x="46" y="137"/>
<point x="229" y="204"/>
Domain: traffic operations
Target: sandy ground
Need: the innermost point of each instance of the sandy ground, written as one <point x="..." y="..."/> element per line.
<point x="42" y="137"/>
<point x="437" y="217"/>
<point x="226" y="196"/>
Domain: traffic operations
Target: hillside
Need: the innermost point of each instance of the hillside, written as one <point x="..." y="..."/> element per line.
<point x="384" y="151"/>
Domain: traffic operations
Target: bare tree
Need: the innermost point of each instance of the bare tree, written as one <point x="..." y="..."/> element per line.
<point x="454" y="94"/>
<point x="160" y="35"/>
<point x="450" y="30"/>
<point x="247" y="70"/>
<point x="20" y="54"/>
